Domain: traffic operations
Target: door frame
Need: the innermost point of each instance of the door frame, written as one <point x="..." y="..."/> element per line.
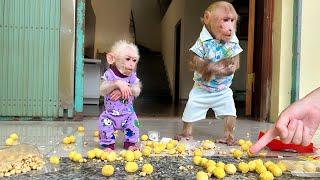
<point x="259" y="79"/>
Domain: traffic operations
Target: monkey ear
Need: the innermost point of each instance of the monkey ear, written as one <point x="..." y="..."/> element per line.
<point x="206" y="17"/>
<point x="110" y="58"/>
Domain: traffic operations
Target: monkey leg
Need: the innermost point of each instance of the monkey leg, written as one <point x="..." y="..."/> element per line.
<point x="186" y="132"/>
<point x="229" y="126"/>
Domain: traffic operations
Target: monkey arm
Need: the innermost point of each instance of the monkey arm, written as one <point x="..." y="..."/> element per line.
<point x="230" y="65"/>
<point x="106" y="87"/>
<point x="136" y="89"/>
<point x="208" y="69"/>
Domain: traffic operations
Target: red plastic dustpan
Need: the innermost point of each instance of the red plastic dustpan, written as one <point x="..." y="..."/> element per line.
<point x="277" y="145"/>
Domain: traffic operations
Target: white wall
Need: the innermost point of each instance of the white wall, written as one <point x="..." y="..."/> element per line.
<point x="173" y="15"/>
<point x="112" y="22"/>
<point x="147" y="22"/>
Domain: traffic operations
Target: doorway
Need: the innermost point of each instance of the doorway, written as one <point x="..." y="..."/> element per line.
<point x="177" y="63"/>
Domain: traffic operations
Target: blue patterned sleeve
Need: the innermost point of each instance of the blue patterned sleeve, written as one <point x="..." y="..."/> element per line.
<point x="236" y="49"/>
<point x="198" y="48"/>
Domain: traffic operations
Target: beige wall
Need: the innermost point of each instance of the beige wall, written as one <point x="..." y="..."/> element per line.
<point x="112" y="22"/>
<point x="282" y="57"/>
<point x="310" y="62"/>
<point x="171" y="18"/>
<point x="147" y="22"/>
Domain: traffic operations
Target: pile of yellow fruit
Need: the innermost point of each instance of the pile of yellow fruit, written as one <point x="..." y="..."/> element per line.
<point x="69" y="139"/>
<point x="54" y="160"/>
<point x="76" y="157"/>
<point x="12" y="139"/>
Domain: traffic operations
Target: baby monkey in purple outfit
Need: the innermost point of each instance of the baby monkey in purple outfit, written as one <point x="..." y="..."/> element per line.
<point x="119" y="87"/>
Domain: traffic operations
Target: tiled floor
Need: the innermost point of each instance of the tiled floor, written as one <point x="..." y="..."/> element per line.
<point x="47" y="136"/>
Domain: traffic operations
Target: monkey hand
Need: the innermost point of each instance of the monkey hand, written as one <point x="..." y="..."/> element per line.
<point x="212" y="69"/>
<point x="115" y="95"/>
<point x="125" y="89"/>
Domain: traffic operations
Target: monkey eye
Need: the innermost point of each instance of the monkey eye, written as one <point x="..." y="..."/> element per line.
<point x="128" y="59"/>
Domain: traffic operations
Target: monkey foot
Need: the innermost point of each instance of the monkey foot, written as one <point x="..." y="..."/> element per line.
<point x="228" y="141"/>
<point x="183" y="136"/>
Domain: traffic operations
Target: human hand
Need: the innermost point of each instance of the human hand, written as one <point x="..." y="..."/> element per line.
<point x="125" y="89"/>
<point x="297" y="124"/>
<point x="115" y="95"/>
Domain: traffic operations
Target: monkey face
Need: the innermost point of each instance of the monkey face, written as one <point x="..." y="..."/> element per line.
<point x="221" y="21"/>
<point x="127" y="62"/>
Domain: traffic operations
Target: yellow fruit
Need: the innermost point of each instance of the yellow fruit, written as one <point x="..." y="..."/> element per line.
<point x="72" y="154"/>
<point x="72" y="139"/>
<point x="203" y="162"/>
<point x="243" y="167"/>
<point x="260" y="168"/>
<point x="14" y="136"/>
<point x="98" y="152"/>
<point x="249" y="154"/>
<point x="267" y="164"/>
<point x="137" y="155"/>
<point x="230" y="168"/>
<point x="147" y="168"/>
<point x="220" y="164"/>
<point x="308" y="167"/>
<point x="211" y="168"/>
<point x="112" y="156"/>
<point x="66" y="140"/>
<point x="131" y="167"/>
<point x="197" y="152"/>
<point x="219" y="172"/>
<point x="237" y="154"/>
<point x="252" y="166"/>
<point x="96" y="133"/>
<point x="81" y="129"/>
<point x="123" y="153"/>
<point x="144" y="137"/>
<point x="91" y="154"/>
<point x="181" y="148"/>
<point x="172" y="151"/>
<point x="282" y="166"/>
<point x="157" y="150"/>
<point x="129" y="156"/>
<point x="245" y="147"/>
<point x="107" y="170"/>
<point x="146" y="151"/>
<point x="202" y="176"/>
<point x="162" y="146"/>
<point x="266" y="175"/>
<point x="207" y="144"/>
<point x="276" y="171"/>
<point x="149" y="143"/>
<point x="241" y="142"/>
<point x="77" y="157"/>
<point x="104" y="155"/>
<point x="9" y="142"/>
<point x="170" y="146"/>
<point x="174" y="142"/>
<point x="54" y="160"/>
<point x="249" y="143"/>
<point x="210" y="163"/>
<point x="197" y="160"/>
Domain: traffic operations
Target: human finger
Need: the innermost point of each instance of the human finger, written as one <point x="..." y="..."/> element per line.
<point x="264" y="140"/>
<point x="292" y="126"/>
<point x="306" y="138"/>
<point x="297" y="138"/>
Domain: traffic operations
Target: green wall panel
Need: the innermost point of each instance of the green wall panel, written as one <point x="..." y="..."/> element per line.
<point x="29" y="57"/>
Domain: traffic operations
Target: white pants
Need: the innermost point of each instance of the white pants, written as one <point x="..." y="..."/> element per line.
<point x="201" y="100"/>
